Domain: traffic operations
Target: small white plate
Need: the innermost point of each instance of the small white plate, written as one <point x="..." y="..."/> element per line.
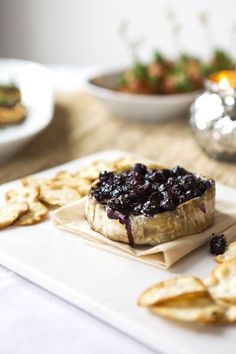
<point x="35" y="83"/>
<point x="135" y="106"/>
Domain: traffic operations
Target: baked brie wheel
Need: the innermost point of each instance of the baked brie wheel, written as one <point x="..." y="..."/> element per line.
<point x="150" y="205"/>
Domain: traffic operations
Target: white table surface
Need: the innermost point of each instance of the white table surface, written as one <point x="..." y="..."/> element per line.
<point x="35" y="321"/>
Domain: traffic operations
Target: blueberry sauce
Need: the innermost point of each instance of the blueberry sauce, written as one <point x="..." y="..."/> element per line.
<point x="144" y="191"/>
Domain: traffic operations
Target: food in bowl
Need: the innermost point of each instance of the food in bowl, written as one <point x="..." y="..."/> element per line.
<point x="164" y="76"/>
<point x="150" y="205"/>
<point x="11" y="109"/>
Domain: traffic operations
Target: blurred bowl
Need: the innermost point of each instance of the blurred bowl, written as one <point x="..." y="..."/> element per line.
<point x="137" y="106"/>
<point x="35" y="84"/>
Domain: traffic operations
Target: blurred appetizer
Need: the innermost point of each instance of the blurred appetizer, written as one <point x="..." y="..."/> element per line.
<point x="164" y="76"/>
<point x="150" y="205"/>
<point x="219" y="61"/>
<point x="11" y="109"/>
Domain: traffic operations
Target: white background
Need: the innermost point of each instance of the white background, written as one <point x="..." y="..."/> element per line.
<point x="84" y="32"/>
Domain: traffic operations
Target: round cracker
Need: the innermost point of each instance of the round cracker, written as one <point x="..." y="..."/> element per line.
<point x="59" y="196"/>
<point x="11" y="212"/>
<point x="30" y="194"/>
<point x="222" y="282"/>
<point x="229" y="255"/>
<point x="22" y="194"/>
<point x="175" y="288"/>
<point x="194" y="309"/>
<point x="37" y="213"/>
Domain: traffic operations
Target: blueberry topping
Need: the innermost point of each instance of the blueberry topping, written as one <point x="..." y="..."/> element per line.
<point x="144" y="191"/>
<point x="155" y="176"/>
<point x="179" y="171"/>
<point x="105" y="175"/>
<point x="217" y="244"/>
<point x="162" y="187"/>
<point x="140" y="168"/>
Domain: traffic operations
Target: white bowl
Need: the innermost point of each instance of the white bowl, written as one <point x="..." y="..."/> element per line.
<point x="35" y="83"/>
<point x="135" y="106"/>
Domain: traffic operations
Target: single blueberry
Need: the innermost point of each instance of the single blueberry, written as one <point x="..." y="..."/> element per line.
<point x="218" y="244"/>
<point x="140" y="168"/>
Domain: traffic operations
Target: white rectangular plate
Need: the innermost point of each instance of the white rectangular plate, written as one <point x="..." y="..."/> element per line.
<point x="107" y="285"/>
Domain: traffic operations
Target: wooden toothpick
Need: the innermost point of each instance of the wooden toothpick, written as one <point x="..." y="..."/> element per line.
<point x="131" y="43"/>
<point x="176" y="29"/>
<point x="205" y="22"/>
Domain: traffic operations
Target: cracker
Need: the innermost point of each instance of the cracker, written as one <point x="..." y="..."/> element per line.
<point x="63" y="188"/>
<point x="91" y="172"/>
<point x="229" y="315"/>
<point x="58" y="196"/>
<point x="187" y="299"/>
<point x="68" y="179"/>
<point x="172" y="289"/>
<point x="84" y="186"/>
<point x="11" y="212"/>
<point x="36" y="214"/>
<point x="34" y="182"/>
<point x="229" y="255"/>
<point x="60" y="190"/>
<point x="193" y="309"/>
<point x="21" y="193"/>
<point x="80" y="180"/>
<point x="37" y="211"/>
<point x="222" y="283"/>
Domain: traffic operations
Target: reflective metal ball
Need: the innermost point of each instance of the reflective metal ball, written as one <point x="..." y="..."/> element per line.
<point x="213" y="121"/>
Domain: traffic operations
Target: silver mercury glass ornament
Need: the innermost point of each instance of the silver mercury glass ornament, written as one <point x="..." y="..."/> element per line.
<point x="213" y="116"/>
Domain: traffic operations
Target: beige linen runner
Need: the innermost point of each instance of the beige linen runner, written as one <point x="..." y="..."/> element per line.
<point x="71" y="218"/>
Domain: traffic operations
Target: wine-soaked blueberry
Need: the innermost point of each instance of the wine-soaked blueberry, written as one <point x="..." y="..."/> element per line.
<point x="166" y="173"/>
<point x="162" y="187"/>
<point x="178" y="171"/>
<point x="155" y="197"/>
<point x="182" y="199"/>
<point x="170" y="182"/>
<point x="150" y="208"/>
<point x="155" y="177"/>
<point x="177" y="190"/>
<point x="105" y="175"/>
<point x="218" y="244"/>
<point x="189" y="194"/>
<point x="140" y="168"/>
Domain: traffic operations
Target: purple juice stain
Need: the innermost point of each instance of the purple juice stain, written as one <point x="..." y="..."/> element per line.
<point x="124" y="220"/>
<point x="202" y="207"/>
